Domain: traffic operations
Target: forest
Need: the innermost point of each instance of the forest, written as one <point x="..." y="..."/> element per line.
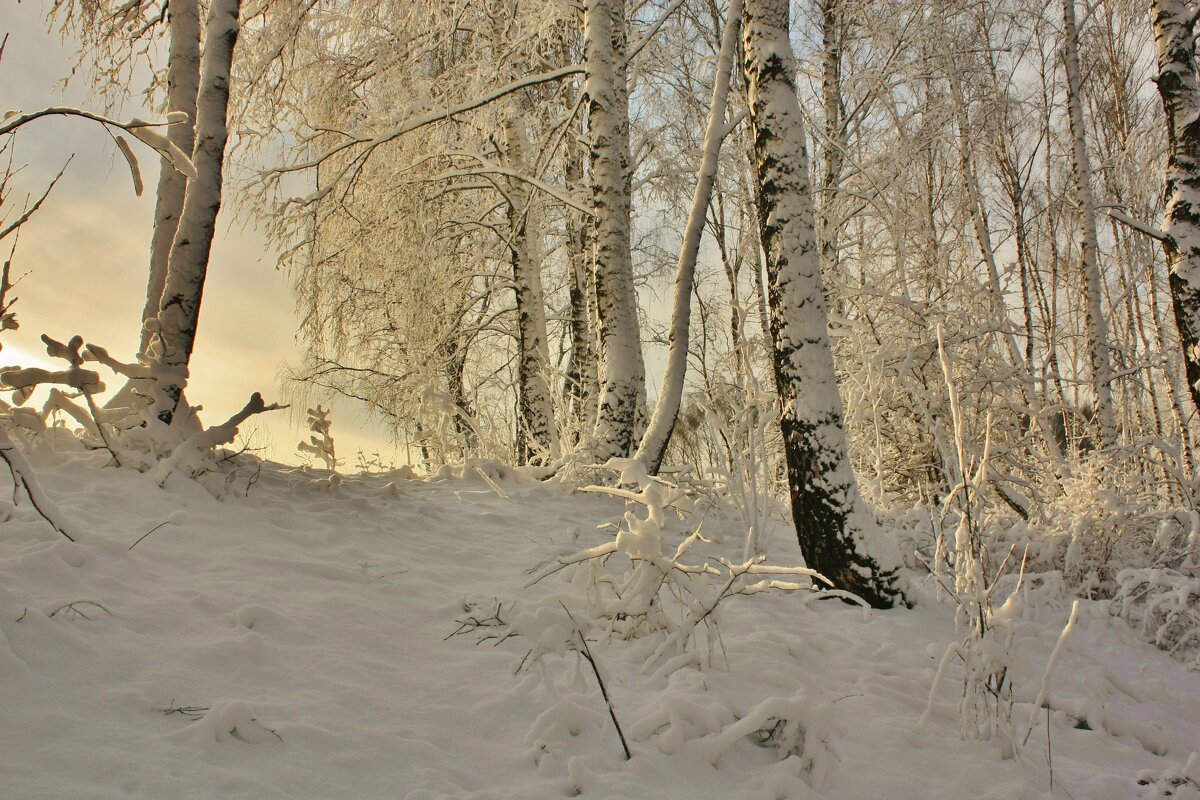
<point x="749" y="357"/>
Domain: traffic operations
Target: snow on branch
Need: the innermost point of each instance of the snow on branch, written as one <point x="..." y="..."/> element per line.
<point x="356" y="163"/>
<point x="140" y="129"/>
<point x="654" y="29"/>
<point x="22" y="474"/>
<point x="185" y="456"/>
<point x="320" y="444"/>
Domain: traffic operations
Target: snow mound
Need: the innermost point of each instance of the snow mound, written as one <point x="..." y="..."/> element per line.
<point x="229" y="720"/>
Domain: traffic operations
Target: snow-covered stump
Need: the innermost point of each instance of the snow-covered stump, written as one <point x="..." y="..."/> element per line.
<point x="179" y="310"/>
<point x="622" y="371"/>
<point x="1175" y="42"/>
<point x="837" y="534"/>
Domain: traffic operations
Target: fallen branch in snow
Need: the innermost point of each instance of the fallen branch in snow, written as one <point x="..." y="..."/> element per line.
<point x="194" y="712"/>
<point x="74" y="609"/>
<point x="205" y="440"/>
<point x="22" y="474"/>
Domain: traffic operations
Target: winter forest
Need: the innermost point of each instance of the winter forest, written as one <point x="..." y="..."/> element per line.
<point x="790" y="400"/>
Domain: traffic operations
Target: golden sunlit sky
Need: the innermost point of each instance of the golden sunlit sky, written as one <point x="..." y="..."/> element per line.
<point x="84" y="256"/>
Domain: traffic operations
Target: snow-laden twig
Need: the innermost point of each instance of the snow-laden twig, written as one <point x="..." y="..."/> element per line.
<point x="138" y="128"/>
<point x="209" y="438"/>
<point x="1044" y="689"/>
<point x="22" y="474"/>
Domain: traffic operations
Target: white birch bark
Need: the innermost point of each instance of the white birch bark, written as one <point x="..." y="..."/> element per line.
<point x="179" y="310"/>
<point x="1096" y="325"/>
<point x="666" y="409"/>
<point x="183" y="84"/>
<point x="622" y="372"/>
<point x="1175" y="43"/>
<point x="836" y="531"/>
<point x="537" y="433"/>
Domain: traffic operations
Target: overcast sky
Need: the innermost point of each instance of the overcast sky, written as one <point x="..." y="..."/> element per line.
<point x="84" y="256"/>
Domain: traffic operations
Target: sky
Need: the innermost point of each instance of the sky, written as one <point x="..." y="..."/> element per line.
<point x="83" y="258"/>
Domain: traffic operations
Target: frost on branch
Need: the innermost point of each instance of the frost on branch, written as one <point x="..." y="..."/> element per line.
<point x="192" y="457"/>
<point x="654" y="591"/>
<point x="128" y="427"/>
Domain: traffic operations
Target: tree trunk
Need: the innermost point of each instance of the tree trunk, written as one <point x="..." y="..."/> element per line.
<point x="179" y="311"/>
<point x="581" y="380"/>
<point x="537" y="437"/>
<point x="666" y="410"/>
<point x="1174" y="40"/>
<point x="834" y="150"/>
<point x="183" y="84"/>
<point x="1097" y="326"/>
<point x="622" y="372"/>
<point x="836" y="531"/>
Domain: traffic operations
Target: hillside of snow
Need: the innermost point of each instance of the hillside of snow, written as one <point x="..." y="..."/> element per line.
<point x="374" y="637"/>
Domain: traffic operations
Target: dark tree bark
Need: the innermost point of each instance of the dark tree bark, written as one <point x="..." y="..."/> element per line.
<point x="837" y="533"/>
<point x="1175" y="41"/>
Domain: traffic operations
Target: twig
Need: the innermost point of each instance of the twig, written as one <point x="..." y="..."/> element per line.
<point x="9" y="453"/>
<point x="1049" y="751"/>
<point x="587" y="653"/>
<point x="72" y="607"/>
<point x="195" y="712"/>
<point x="91" y="404"/>
<point x="147" y="533"/>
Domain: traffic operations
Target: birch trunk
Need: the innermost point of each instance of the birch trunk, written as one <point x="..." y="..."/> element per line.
<point x="1174" y="41"/>
<point x="622" y="372"/>
<point x="666" y="409"/>
<point x="832" y="25"/>
<point x="179" y="311"/>
<point x="581" y="380"/>
<point x="837" y="534"/>
<point x="1097" y="326"/>
<point x="183" y="84"/>
<point x="537" y="437"/>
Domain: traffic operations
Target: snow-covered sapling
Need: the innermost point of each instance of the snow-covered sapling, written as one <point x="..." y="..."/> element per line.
<point x="648" y="595"/>
<point x="320" y="443"/>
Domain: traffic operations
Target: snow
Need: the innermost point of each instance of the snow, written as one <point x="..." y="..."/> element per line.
<point x="369" y="638"/>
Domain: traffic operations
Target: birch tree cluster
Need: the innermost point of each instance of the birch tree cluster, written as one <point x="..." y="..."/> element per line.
<point x="907" y="261"/>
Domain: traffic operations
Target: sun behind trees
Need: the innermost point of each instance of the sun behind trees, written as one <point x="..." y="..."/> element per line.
<point x="960" y="297"/>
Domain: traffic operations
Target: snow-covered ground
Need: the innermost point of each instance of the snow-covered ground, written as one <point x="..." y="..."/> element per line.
<point x="297" y="643"/>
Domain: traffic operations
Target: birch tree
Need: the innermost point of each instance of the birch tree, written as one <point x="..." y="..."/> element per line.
<point x="666" y="409"/>
<point x="179" y="309"/>
<point x="537" y="434"/>
<point x="836" y="531"/>
<point x="1174" y="24"/>
<point x="183" y="85"/>
<point x="622" y="371"/>
<point x="1096" y="324"/>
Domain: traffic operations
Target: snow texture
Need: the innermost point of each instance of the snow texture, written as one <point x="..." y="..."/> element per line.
<point x="298" y="644"/>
